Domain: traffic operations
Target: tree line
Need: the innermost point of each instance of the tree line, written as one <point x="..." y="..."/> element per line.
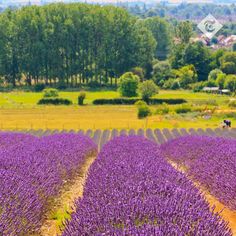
<point x="185" y="11"/>
<point x="71" y="44"/>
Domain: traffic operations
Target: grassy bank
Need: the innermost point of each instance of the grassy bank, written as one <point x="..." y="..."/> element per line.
<point x="19" y="111"/>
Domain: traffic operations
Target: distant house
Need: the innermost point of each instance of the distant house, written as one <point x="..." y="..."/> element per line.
<point x="225" y="42"/>
<point x="211" y="89"/>
<point x="222" y="41"/>
<point x="216" y="90"/>
<point x="229" y="41"/>
<point x="201" y="38"/>
<point x="225" y="91"/>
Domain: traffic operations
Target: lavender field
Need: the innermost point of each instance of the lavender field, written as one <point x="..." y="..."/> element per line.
<point x="132" y="190"/>
<point x="142" y="182"/>
<point x="32" y="170"/>
<point x="100" y="137"/>
<point x="210" y="161"/>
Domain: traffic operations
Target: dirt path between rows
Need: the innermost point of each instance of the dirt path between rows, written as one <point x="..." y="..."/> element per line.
<point x="73" y="190"/>
<point x="64" y="203"/>
<point x="227" y="214"/>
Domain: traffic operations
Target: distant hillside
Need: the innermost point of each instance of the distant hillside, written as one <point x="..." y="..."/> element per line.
<point x="186" y="11"/>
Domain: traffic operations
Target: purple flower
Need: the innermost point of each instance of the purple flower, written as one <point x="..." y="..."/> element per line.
<point x="211" y="161"/>
<point x="132" y="190"/>
<point x="32" y="170"/>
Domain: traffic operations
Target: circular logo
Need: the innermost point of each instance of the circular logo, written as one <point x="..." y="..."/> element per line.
<point x="209" y="26"/>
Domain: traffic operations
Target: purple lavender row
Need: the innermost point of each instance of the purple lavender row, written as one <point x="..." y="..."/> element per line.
<point x="8" y="139"/>
<point x="31" y="173"/>
<point x="210" y="161"/>
<point x="132" y="190"/>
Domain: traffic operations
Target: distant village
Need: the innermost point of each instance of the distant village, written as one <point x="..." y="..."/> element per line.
<point x="217" y="42"/>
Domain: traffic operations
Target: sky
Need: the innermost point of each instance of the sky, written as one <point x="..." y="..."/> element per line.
<point x="95" y="1"/>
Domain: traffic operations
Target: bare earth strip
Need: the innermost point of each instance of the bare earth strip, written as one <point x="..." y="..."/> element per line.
<point x="65" y="201"/>
<point x="227" y="214"/>
<point x="74" y="190"/>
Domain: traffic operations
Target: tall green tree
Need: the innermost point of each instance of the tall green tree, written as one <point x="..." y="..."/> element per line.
<point x="228" y="63"/>
<point x="161" y="31"/>
<point x="71" y="44"/>
<point x="184" y="31"/>
<point x="199" y="56"/>
<point x="9" y="48"/>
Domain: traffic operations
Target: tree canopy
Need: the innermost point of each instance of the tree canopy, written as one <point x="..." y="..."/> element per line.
<point x="71" y="44"/>
<point x="161" y="31"/>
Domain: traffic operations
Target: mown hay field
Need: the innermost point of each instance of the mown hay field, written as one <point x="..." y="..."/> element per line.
<point x="95" y="117"/>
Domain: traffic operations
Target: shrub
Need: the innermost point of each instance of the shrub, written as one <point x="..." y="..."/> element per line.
<point x="147" y="89"/>
<point x="230" y="82"/>
<point x="161" y="72"/>
<point x="187" y="75"/>
<point x="39" y="87"/>
<point x="50" y="93"/>
<point x="163" y="109"/>
<point x="232" y="104"/>
<point x="115" y="101"/>
<point x="128" y="84"/>
<point x="220" y="80"/>
<point x="183" y="109"/>
<point x="81" y="98"/>
<point x="171" y="84"/>
<point x="131" y="101"/>
<point x="140" y="103"/>
<point x="197" y="87"/>
<point x="139" y="72"/>
<point x="161" y="83"/>
<point x="214" y="74"/>
<point x="143" y="109"/>
<point x="54" y="101"/>
<point x="175" y="85"/>
<point x="143" y="112"/>
<point x="210" y="83"/>
<point x="228" y="67"/>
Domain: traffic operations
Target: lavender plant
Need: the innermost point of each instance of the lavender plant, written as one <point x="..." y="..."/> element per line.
<point x="209" y="160"/>
<point x="8" y="139"/>
<point x="31" y="172"/>
<point x="132" y="190"/>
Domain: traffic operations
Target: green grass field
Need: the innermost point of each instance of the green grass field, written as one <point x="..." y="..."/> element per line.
<point x="19" y="110"/>
<point x="29" y="99"/>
